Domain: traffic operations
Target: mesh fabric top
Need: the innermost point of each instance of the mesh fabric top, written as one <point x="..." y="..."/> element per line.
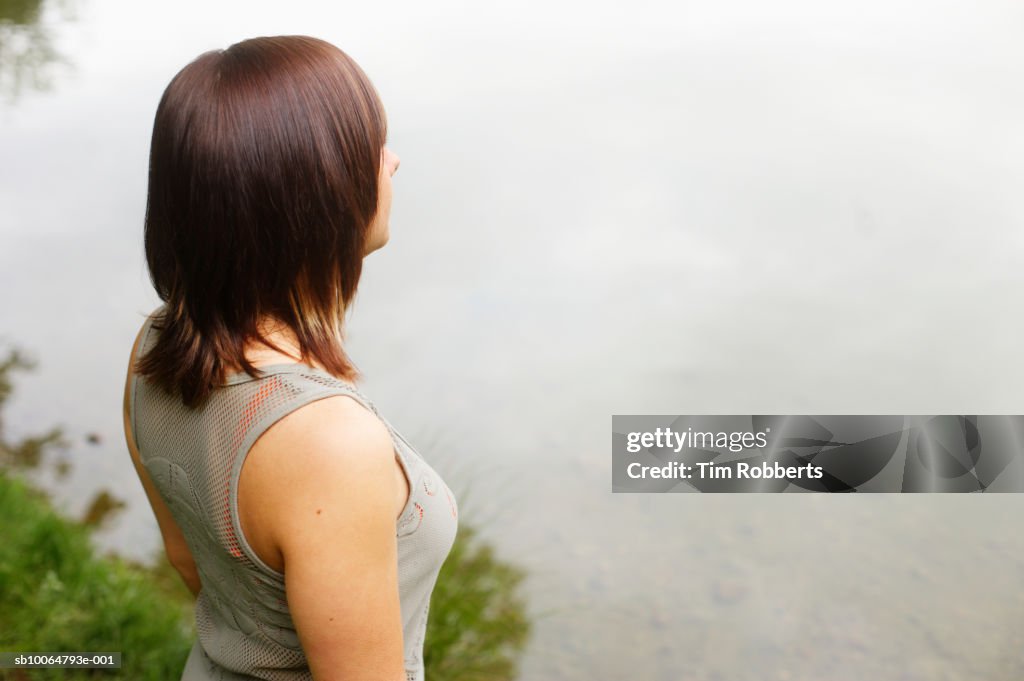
<point x="195" y="457"/>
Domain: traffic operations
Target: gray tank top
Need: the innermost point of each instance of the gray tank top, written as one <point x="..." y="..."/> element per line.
<point x="195" y="457"/>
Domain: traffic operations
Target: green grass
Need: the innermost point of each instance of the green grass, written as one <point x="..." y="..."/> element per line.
<point x="56" y="595"/>
<point x="477" y="624"/>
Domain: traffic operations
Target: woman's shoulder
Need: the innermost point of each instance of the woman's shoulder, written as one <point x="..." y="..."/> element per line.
<point x="140" y="336"/>
<point x="329" y="459"/>
<point x="327" y="422"/>
<point x="136" y="350"/>
<point x="329" y="441"/>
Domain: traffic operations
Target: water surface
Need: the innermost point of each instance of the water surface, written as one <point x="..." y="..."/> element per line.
<point x="605" y="209"/>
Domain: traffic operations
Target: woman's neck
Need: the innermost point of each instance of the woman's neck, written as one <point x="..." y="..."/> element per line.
<point x="280" y="335"/>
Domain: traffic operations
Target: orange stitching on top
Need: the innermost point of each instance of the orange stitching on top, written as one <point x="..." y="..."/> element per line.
<point x="451" y="503"/>
<point x="241" y="430"/>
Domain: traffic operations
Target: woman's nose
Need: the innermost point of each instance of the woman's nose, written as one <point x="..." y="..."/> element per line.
<point x="395" y="161"/>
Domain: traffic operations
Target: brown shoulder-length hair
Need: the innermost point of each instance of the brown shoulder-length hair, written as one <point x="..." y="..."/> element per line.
<point x="263" y="179"/>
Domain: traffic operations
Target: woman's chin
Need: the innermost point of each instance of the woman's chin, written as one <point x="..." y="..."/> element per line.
<point x="378" y="244"/>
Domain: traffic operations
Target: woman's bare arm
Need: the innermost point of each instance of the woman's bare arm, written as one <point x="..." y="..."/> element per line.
<point x="325" y="478"/>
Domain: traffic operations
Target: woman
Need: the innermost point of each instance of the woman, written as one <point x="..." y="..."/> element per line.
<point x="309" y="529"/>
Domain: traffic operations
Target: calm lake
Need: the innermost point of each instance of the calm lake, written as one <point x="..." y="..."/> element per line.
<point x="604" y="208"/>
